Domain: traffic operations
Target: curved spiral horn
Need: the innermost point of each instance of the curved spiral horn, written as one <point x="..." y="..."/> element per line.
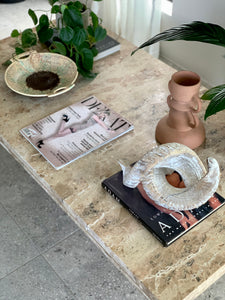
<point x="152" y="169"/>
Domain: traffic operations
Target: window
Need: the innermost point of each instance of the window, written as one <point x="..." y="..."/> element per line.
<point x="167" y="7"/>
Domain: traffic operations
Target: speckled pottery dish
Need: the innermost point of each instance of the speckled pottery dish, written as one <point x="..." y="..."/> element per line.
<point x="33" y="62"/>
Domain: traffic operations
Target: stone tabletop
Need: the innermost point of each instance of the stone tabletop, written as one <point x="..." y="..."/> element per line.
<point x="135" y="87"/>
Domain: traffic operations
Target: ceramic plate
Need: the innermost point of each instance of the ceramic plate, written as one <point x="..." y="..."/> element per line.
<point x="33" y="62"/>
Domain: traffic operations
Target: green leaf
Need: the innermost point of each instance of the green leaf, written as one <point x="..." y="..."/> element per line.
<point x="15" y="33"/>
<point x="83" y="46"/>
<point x="66" y="34"/>
<point x="43" y="21"/>
<point x="19" y="50"/>
<point x="7" y="63"/>
<point x="80" y="67"/>
<point x="87" y="74"/>
<point x="94" y="19"/>
<point x="211" y="93"/>
<point x="72" y="17"/>
<point x="80" y="6"/>
<point x="55" y="9"/>
<point x="28" y="38"/>
<point x="76" y="58"/>
<point x="80" y="36"/>
<point x="87" y="58"/>
<point x="195" y="31"/>
<point x="33" y="16"/>
<point x="58" y="47"/>
<point x="217" y="103"/>
<point x="51" y="2"/>
<point x="90" y="30"/>
<point x="94" y="51"/>
<point x="100" y="33"/>
<point x="63" y="7"/>
<point x="45" y="34"/>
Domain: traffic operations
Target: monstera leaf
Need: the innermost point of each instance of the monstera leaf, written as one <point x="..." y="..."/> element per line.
<point x="195" y="31"/>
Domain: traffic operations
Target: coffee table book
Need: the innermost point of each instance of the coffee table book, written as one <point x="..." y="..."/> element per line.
<point x="106" y="47"/>
<point x="75" y="131"/>
<point x="165" y="227"/>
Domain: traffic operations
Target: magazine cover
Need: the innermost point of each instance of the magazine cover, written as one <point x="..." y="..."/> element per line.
<point x="75" y="131"/>
<point x="166" y="227"/>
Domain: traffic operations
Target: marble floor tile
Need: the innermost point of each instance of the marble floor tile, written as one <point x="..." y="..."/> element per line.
<point x="44" y="222"/>
<point x="34" y="281"/>
<point x="215" y="292"/>
<point x="15" y="247"/>
<point x="87" y="272"/>
<point x="11" y="183"/>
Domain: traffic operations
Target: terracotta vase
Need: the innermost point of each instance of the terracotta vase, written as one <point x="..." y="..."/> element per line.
<point x="182" y="124"/>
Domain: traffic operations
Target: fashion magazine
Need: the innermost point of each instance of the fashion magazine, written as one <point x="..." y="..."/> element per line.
<point x="75" y="131"/>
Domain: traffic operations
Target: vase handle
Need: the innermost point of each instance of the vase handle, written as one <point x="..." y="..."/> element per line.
<point x="197" y="102"/>
<point x="194" y="120"/>
<point x="193" y="111"/>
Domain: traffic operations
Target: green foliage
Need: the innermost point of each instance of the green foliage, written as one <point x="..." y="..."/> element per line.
<point x="33" y="16"/>
<point x="94" y="19"/>
<point x="216" y="95"/>
<point x="80" y="36"/>
<point x="99" y="33"/>
<point x="15" y="33"/>
<point x="51" y="2"/>
<point x="58" y="47"/>
<point x="19" y="50"/>
<point x="196" y="31"/>
<point x="55" y="9"/>
<point x="72" y="17"/>
<point x="71" y="38"/>
<point x="199" y="32"/>
<point x="28" y="38"/>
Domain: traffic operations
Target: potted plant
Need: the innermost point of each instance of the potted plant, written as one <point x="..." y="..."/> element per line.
<point x="69" y="36"/>
<point x="200" y="32"/>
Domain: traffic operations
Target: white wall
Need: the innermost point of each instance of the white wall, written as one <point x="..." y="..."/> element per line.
<point x="205" y="59"/>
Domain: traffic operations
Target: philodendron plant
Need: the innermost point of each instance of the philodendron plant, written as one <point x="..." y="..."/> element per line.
<point x="71" y="38"/>
<point x="199" y="32"/>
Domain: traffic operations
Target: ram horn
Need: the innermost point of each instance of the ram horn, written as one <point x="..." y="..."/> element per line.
<point x="132" y="175"/>
<point x="152" y="169"/>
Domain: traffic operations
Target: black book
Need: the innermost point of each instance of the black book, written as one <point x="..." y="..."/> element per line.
<point x="165" y="227"/>
<point x="106" y="47"/>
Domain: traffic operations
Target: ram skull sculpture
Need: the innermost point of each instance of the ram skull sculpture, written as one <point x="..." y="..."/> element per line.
<point x="151" y="171"/>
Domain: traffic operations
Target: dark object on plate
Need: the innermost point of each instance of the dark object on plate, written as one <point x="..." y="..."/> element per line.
<point x="28" y="63"/>
<point x="42" y="80"/>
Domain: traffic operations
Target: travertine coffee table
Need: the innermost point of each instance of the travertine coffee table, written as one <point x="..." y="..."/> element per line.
<point x="136" y="87"/>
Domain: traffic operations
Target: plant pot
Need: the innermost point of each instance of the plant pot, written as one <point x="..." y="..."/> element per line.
<point x="182" y="124"/>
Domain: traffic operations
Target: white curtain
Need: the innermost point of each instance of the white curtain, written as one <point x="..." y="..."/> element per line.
<point x="134" y="20"/>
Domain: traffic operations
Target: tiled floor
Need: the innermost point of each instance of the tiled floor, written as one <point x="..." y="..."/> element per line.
<point x="43" y="254"/>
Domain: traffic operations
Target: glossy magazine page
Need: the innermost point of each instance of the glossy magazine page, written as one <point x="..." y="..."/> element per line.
<point x="75" y="131"/>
